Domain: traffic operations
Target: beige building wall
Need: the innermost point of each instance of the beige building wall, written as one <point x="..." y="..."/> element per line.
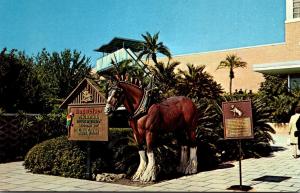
<point x="247" y="78"/>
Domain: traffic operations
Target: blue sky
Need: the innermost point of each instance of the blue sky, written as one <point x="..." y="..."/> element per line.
<point x="185" y="26"/>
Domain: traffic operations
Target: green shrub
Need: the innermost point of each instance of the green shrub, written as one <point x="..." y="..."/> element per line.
<point x="57" y="156"/>
<point x="276" y="95"/>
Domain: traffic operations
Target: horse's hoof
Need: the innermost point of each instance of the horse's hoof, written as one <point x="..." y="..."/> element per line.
<point x="190" y="171"/>
<point x="148" y="178"/>
<point x="136" y="178"/>
<point x="191" y="168"/>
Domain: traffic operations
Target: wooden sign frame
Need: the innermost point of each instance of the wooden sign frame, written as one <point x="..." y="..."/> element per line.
<point x="89" y="123"/>
<point x="237" y="119"/>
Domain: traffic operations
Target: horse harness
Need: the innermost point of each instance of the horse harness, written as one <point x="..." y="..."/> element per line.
<point x="143" y="106"/>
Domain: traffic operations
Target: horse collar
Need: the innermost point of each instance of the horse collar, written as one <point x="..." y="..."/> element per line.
<point x="143" y="106"/>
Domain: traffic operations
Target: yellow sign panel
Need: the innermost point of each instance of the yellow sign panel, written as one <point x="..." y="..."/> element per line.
<point x="88" y="123"/>
<point x="238" y="127"/>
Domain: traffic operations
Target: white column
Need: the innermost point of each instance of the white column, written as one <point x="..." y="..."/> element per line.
<point x="289" y="10"/>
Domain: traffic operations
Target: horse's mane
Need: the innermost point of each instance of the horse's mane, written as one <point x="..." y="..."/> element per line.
<point x="129" y="80"/>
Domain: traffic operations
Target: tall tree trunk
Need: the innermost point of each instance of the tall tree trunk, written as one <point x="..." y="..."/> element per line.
<point x="230" y="86"/>
<point x="231" y="76"/>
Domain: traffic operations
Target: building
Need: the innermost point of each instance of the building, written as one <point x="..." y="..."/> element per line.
<point x="280" y="58"/>
<point x="118" y="50"/>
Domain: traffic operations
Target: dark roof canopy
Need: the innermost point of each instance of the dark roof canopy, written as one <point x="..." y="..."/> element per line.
<point x="118" y="43"/>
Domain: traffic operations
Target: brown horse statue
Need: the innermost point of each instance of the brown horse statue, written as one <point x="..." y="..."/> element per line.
<point x="177" y="114"/>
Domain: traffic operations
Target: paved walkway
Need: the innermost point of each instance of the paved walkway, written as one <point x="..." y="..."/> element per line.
<point x="13" y="177"/>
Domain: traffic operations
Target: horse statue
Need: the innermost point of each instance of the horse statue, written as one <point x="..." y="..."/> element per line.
<point x="177" y="114"/>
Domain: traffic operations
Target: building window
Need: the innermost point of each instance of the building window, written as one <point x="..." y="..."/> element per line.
<point x="296" y="8"/>
<point x="295" y="81"/>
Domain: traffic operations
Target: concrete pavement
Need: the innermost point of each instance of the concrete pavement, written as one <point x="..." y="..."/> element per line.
<point x="13" y="177"/>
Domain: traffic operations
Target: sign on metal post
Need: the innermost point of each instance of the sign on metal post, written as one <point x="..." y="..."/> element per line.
<point x="237" y="121"/>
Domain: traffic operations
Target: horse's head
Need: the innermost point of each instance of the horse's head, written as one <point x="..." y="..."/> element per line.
<point x="115" y="98"/>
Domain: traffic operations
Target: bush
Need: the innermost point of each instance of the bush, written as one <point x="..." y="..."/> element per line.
<point x="57" y="157"/>
<point x="276" y="95"/>
<point x="61" y="157"/>
<point x="51" y="125"/>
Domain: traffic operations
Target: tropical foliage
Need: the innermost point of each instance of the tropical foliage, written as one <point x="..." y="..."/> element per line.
<point x="195" y="83"/>
<point x="20" y="87"/>
<point x="37" y="84"/>
<point x="61" y="72"/>
<point x="276" y="96"/>
<point x="165" y="78"/>
<point x="152" y="47"/>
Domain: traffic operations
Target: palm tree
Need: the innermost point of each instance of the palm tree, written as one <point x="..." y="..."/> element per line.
<point x="152" y="47"/>
<point x="165" y="77"/>
<point x="232" y="61"/>
<point x="196" y="83"/>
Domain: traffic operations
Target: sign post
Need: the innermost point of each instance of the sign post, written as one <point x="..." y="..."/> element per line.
<point x="237" y="121"/>
<point x="86" y="120"/>
<point x="89" y="123"/>
<point x="88" y="174"/>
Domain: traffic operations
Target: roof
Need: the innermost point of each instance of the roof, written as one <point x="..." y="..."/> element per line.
<point x="118" y="43"/>
<point x="99" y="98"/>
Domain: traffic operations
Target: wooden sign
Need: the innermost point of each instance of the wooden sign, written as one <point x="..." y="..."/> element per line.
<point x="237" y="119"/>
<point x="89" y="123"/>
<point x="86" y="120"/>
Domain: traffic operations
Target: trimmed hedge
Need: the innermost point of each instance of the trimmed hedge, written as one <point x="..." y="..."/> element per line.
<point x="57" y="156"/>
<point x="61" y="157"/>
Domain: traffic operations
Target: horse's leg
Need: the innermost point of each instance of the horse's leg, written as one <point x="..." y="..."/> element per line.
<point x="142" y="166"/>
<point x="181" y="137"/>
<point x="151" y="126"/>
<point x="150" y="172"/>
<point x="193" y="162"/>
<point x="183" y="159"/>
<point x="142" y="154"/>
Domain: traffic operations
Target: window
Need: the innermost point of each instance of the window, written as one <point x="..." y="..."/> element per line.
<point x="295" y="81"/>
<point x="296" y="8"/>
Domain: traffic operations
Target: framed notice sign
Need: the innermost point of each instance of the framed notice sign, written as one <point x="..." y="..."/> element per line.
<point x="88" y="122"/>
<point x="237" y="119"/>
